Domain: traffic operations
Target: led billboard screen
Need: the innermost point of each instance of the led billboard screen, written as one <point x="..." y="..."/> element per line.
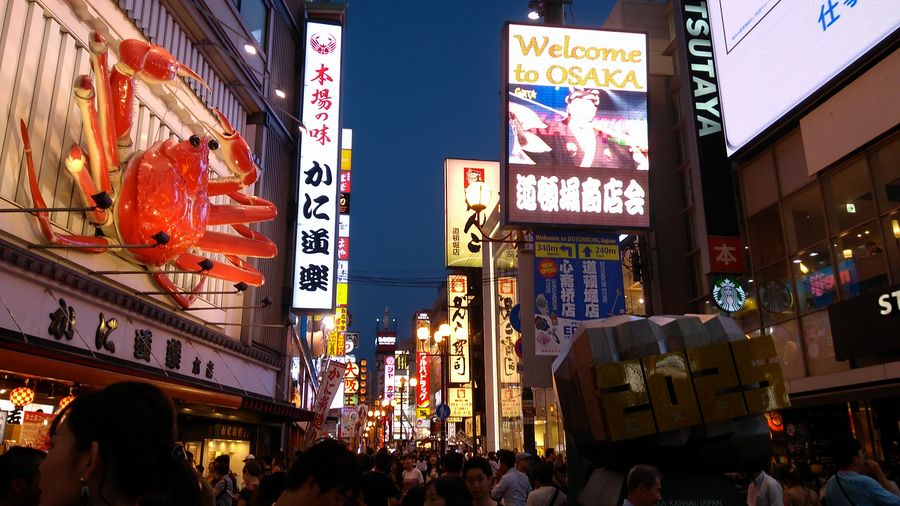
<point x="771" y="55"/>
<point x="576" y="120"/>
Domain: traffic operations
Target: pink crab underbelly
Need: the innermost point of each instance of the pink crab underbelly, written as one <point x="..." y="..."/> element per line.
<point x="155" y="198"/>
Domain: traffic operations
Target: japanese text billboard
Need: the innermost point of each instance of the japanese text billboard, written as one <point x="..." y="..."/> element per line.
<point x="389" y="372"/>
<point x="508" y="297"/>
<point x="460" y="401"/>
<point x="770" y="56"/>
<point x="576" y="128"/>
<point x="463" y="240"/>
<point x="458" y="344"/>
<point x="317" y="209"/>
<point x="422" y="387"/>
<point x="577" y="277"/>
<point x="329" y="385"/>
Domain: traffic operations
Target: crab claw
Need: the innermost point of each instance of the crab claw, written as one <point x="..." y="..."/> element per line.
<point x="235" y="151"/>
<point x="152" y="63"/>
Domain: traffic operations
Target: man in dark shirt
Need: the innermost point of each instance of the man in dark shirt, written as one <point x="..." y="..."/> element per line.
<point x="377" y="487"/>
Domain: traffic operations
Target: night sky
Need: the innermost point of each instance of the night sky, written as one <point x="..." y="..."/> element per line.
<point x="421" y="83"/>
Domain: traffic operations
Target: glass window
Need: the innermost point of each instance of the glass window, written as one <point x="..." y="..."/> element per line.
<point x="886" y="169"/>
<point x="758" y="183"/>
<point x="254" y="14"/>
<point x="791" y="162"/>
<point x="815" y="279"/>
<point x="820" y="359"/>
<point x="892" y="233"/>
<point x="748" y="316"/>
<point x="786" y="337"/>
<point x="848" y="196"/>
<point x="804" y="218"/>
<point x="765" y="236"/>
<point x="862" y="260"/>
<point x="776" y="299"/>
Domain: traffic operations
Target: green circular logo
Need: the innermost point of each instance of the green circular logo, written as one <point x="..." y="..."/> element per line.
<point x="728" y="294"/>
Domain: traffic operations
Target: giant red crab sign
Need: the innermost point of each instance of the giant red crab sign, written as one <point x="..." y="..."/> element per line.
<point x="155" y="205"/>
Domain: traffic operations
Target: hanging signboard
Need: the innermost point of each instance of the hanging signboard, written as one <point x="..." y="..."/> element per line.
<point x="458" y="346"/>
<point x="461" y="236"/>
<point x="328" y="388"/>
<point x="577" y="277"/>
<point x="389" y="370"/>
<point x="422" y="393"/>
<point x="317" y="209"/>
<point x="460" y="401"/>
<point x="507" y="291"/>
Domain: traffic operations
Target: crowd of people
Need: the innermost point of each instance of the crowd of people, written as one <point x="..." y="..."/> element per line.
<point x="118" y="446"/>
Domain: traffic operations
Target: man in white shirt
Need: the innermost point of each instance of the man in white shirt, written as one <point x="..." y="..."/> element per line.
<point x="545" y="494"/>
<point x="644" y="485"/>
<point x="513" y="486"/>
<point x="763" y="490"/>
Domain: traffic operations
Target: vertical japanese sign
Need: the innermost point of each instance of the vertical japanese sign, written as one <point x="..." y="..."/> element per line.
<point x="328" y="387"/>
<point x="458" y="344"/>
<point x="576" y="127"/>
<point x="389" y="371"/>
<point x="349" y="421"/>
<point x="461" y="235"/>
<point x="422" y="392"/>
<point x="343" y="247"/>
<point x="317" y="209"/>
<point x="577" y="277"/>
<point x="351" y="384"/>
<point x="507" y="292"/>
<point x="460" y="401"/>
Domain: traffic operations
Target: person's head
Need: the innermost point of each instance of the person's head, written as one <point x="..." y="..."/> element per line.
<point x="414" y="496"/>
<point x="444" y="492"/>
<point x="383" y="461"/>
<point x="313" y="478"/>
<point x="408" y="463"/>
<point x="366" y="462"/>
<point x="507" y="459"/>
<point x="433" y="459"/>
<point x="543" y="473"/>
<point x="582" y="105"/>
<point x="644" y="485"/>
<point x="269" y="489"/>
<point x="453" y="463"/>
<point x="477" y="474"/>
<point x="523" y="461"/>
<point x="847" y="452"/>
<point x="103" y="439"/>
<point x="492" y="456"/>
<point x="252" y="471"/>
<point x="19" y="476"/>
<point x="221" y="468"/>
<point x="550" y="455"/>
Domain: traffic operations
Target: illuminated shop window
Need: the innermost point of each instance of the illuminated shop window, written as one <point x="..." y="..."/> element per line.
<point x="848" y="196"/>
<point x="862" y="260"/>
<point x="815" y="278"/>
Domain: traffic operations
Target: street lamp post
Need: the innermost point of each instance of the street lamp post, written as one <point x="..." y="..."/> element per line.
<point x="441" y="337"/>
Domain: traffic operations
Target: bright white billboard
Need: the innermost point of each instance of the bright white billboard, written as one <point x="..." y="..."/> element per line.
<point x="317" y="209"/>
<point x="577" y="147"/>
<point x="461" y="234"/>
<point x="771" y="55"/>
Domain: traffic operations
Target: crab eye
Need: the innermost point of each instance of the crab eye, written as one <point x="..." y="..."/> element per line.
<point x="195" y="140"/>
<point x="213" y="144"/>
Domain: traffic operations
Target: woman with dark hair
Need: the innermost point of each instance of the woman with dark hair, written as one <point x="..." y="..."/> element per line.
<point x="327" y="474"/>
<point x="444" y="492"/>
<point x="117" y="446"/>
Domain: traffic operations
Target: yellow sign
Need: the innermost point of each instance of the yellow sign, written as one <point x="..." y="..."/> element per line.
<point x="336" y="343"/>
<point x="686" y="388"/>
<point x="460" y="401"/>
<point x="598" y="251"/>
<point x="554" y="250"/>
<point x="423" y="413"/>
<point x="341" y="294"/>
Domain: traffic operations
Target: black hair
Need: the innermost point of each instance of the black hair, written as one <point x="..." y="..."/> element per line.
<point x="365" y="461"/>
<point x="19" y="462"/>
<point x="844" y="449"/>
<point x="220" y="467"/>
<point x="414" y="496"/>
<point x="507" y="458"/>
<point x="479" y="463"/>
<point x="642" y="475"/>
<point x="448" y="489"/>
<point x="269" y="489"/>
<point x="453" y="462"/>
<point x="544" y="472"/>
<point x="128" y="419"/>
<point x="253" y="468"/>
<point x="319" y="464"/>
<point x="549" y="453"/>
<point x="383" y="461"/>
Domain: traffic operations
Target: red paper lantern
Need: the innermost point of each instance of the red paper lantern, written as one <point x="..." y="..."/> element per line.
<point x="21" y="396"/>
<point x="65" y="401"/>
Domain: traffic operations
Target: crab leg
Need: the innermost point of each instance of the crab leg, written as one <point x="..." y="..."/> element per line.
<point x="43" y="217"/>
<point x="255" y="245"/>
<point x="84" y="94"/>
<point x="167" y="285"/>
<point x="98" y="48"/>
<point x="242" y="272"/>
<point x="254" y="209"/>
<point x="75" y="162"/>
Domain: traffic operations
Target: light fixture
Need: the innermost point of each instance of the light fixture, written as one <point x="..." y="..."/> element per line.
<point x="478" y="196"/>
<point x="250" y="48"/>
<point x="796" y="260"/>
<point x="327" y="322"/>
<point x="848" y="253"/>
<point x="749" y="280"/>
<point x="804" y="269"/>
<point x="21" y="396"/>
<point x="413" y="382"/>
<point x="535" y="10"/>
<point x="280" y="93"/>
<point x="264" y="303"/>
<point x="238" y="288"/>
<point x="422" y="333"/>
<point x="65" y="401"/>
<point x="895" y="225"/>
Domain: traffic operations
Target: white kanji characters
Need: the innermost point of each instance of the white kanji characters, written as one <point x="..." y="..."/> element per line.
<point x="634" y="195"/>
<point x="569" y="194"/>
<point x="526" y="197"/>
<point x="591" y="199"/>
<point x="612" y="196"/>
<point x="548" y="193"/>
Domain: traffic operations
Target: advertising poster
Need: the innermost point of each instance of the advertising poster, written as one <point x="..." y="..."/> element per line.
<point x="458" y="309"/>
<point x="460" y="401"/>
<point x="317" y="211"/>
<point x="511" y="402"/>
<point x="36" y="430"/>
<point x="507" y="293"/>
<point x="461" y="235"/>
<point x="577" y="277"/>
<point x="332" y="378"/>
<point x="577" y="146"/>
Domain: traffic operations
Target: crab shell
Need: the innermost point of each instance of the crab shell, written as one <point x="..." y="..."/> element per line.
<point x="165" y="188"/>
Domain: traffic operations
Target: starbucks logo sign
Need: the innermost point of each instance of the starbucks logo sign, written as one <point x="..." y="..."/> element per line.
<point x="728" y="294"/>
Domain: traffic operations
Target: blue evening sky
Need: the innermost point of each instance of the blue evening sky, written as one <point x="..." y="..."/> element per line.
<point x="421" y="83"/>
